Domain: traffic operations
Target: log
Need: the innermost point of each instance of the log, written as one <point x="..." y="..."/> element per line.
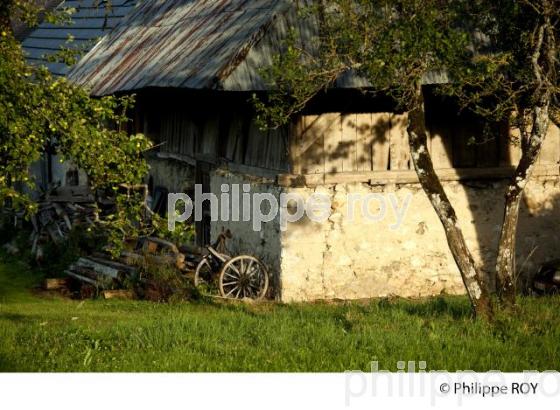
<point x="177" y="261"/>
<point x="131" y="258"/>
<point x="118" y="294"/>
<point x="55" y="283"/>
<point x="85" y="272"/>
<point x="165" y="260"/>
<point x="152" y="245"/>
<point x="81" y="278"/>
<point x="60" y="212"/>
<point x="98" y="267"/>
<point x="191" y="250"/>
<point x="113" y="264"/>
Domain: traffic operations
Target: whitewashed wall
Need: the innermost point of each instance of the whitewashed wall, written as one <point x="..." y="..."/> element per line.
<point x="363" y="259"/>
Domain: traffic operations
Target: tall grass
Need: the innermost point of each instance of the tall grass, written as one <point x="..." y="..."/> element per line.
<point x="39" y="333"/>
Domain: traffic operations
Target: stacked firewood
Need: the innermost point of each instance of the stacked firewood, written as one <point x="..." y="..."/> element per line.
<point x="100" y="274"/>
<point x="58" y="213"/>
<point x="54" y="221"/>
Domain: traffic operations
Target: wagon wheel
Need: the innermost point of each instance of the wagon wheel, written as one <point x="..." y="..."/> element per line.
<point x="207" y="271"/>
<point x="243" y="277"/>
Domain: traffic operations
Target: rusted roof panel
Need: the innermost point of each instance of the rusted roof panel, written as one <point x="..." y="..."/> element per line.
<point x="176" y="43"/>
<point x="198" y="44"/>
<point x="92" y="20"/>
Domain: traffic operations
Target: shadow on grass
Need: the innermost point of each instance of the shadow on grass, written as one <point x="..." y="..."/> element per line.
<point x="14" y="317"/>
<point x="454" y="307"/>
<point x="6" y="366"/>
<point x="16" y="278"/>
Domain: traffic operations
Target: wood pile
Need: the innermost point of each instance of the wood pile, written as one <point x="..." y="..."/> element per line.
<point x="155" y="251"/>
<point x="118" y="294"/>
<point x="60" y="211"/>
<point x="98" y="274"/>
<point x="102" y="273"/>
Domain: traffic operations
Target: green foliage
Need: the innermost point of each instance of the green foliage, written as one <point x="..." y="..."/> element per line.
<point x="487" y="50"/>
<point x="52" y="334"/>
<point x="296" y="76"/>
<point x="69" y="54"/>
<point x="57" y="257"/>
<point x="184" y="231"/>
<point x="166" y="284"/>
<point x="129" y="220"/>
<point x="391" y="44"/>
<point x="39" y="112"/>
<point x="513" y="61"/>
<point x="28" y="13"/>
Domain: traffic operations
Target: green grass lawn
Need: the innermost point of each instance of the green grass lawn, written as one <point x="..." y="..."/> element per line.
<point x="39" y="333"/>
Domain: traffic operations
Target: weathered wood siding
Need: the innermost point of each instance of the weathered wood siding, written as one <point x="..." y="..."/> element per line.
<point x="231" y="136"/>
<point x="360" y="143"/>
<point x="332" y="143"/>
<point x="338" y="143"/>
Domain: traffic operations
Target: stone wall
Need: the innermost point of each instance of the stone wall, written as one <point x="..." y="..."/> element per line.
<point x="346" y="258"/>
<point x="364" y="258"/>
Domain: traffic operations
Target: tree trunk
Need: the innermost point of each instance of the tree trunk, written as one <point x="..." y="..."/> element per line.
<point x="472" y="279"/>
<point x="505" y="265"/>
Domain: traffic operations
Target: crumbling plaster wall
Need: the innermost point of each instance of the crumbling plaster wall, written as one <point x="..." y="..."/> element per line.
<point x="173" y="175"/>
<point x="265" y="244"/>
<point x="363" y="258"/>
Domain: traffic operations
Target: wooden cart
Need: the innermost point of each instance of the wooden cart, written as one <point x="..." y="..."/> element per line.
<point x="236" y="277"/>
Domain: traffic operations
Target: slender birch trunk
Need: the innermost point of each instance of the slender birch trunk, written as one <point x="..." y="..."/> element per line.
<point x="472" y="278"/>
<point x="543" y="61"/>
<point x="531" y="147"/>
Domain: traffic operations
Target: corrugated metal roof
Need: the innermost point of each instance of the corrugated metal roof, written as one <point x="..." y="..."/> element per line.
<point x="246" y="76"/>
<point x="92" y="20"/>
<point x="176" y="43"/>
<point x="198" y="44"/>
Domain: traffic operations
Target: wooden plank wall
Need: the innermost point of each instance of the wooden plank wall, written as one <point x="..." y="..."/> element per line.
<point x="233" y="136"/>
<point x="333" y="143"/>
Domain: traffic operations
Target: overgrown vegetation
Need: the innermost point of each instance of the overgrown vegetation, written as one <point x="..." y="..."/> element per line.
<point x="41" y="113"/>
<point x="44" y="333"/>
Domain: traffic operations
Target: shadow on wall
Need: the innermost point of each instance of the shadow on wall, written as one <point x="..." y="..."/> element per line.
<point x="331" y="143"/>
<point x="264" y="243"/>
<point x="466" y="141"/>
<point x="473" y="144"/>
<point x="538" y="236"/>
<point x="363" y="142"/>
<point x="480" y="214"/>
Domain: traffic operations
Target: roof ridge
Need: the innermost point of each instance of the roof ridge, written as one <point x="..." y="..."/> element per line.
<point x="242" y="53"/>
